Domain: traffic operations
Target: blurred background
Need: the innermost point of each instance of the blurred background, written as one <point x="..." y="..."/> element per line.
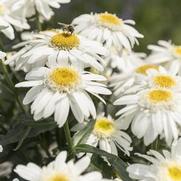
<point x="155" y="19"/>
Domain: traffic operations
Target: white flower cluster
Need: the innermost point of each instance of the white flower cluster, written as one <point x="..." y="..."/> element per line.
<point x="65" y="69"/>
<point x="14" y="13"/>
<point x="59" y="170"/>
<point x="165" y="166"/>
<point x="77" y="71"/>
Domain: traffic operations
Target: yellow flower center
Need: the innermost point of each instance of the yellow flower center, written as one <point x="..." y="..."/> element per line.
<point x="64" y="78"/>
<point x="177" y="50"/>
<point x="164" y="81"/>
<point x="109" y="19"/>
<point x="159" y="96"/>
<point x="143" y="69"/>
<point x="175" y="173"/>
<point x="65" y="41"/>
<point x="2" y="9"/>
<point x="104" y="127"/>
<point x="57" y="177"/>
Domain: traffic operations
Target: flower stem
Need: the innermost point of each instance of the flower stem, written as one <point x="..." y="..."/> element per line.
<point x="38" y="24"/>
<point x="11" y="85"/>
<point x="9" y="81"/>
<point x="69" y="139"/>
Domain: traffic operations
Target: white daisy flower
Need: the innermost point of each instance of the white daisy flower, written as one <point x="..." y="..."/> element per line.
<point x="59" y="170"/>
<point x="122" y="83"/>
<point x="154" y="78"/>
<point x="2" y="55"/>
<point x="151" y="112"/>
<point x="59" y="46"/>
<point x="107" y="134"/>
<point x="10" y="17"/>
<point x="167" y="54"/>
<point x="126" y="60"/>
<point x="161" y="78"/>
<point x="43" y="7"/>
<point x="166" y="166"/>
<point x="59" y="88"/>
<point x="108" y="29"/>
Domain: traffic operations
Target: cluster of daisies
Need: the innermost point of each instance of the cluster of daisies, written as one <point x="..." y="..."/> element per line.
<point x="88" y="72"/>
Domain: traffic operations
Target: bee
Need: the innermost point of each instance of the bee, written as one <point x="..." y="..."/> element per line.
<point x="67" y="28"/>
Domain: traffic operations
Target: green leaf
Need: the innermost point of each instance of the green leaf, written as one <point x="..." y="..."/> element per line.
<point x="98" y="163"/>
<point x="81" y="136"/>
<point x="26" y="133"/>
<point x="118" y="164"/>
<point x="43" y="123"/>
<point x="16" y="133"/>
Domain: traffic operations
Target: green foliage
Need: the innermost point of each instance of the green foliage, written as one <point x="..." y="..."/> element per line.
<point x="118" y="164"/>
<point x="158" y="19"/>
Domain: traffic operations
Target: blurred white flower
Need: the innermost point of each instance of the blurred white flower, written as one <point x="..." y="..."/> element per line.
<point x="108" y="29"/>
<point x="15" y="179"/>
<point x="5" y="169"/>
<point x="50" y="47"/>
<point x="10" y="17"/>
<point x="125" y="60"/>
<point x="166" y="166"/>
<point x="1" y="148"/>
<point x="167" y="54"/>
<point x="160" y="78"/>
<point x="2" y="55"/>
<point x="60" y="87"/>
<point x="43" y="7"/>
<point x="155" y="78"/>
<point x="126" y="82"/>
<point x="151" y="112"/>
<point x="59" y="170"/>
<point x="118" y="179"/>
<point x="107" y="134"/>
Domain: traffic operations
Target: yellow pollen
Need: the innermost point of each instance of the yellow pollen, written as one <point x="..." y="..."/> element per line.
<point x="164" y="81"/>
<point x="159" y="96"/>
<point x="175" y="173"/>
<point x="143" y="69"/>
<point x="2" y="9"/>
<point x="177" y="50"/>
<point x="65" y="41"/>
<point x="104" y="127"/>
<point x="57" y="177"/>
<point x="64" y="78"/>
<point x="110" y="19"/>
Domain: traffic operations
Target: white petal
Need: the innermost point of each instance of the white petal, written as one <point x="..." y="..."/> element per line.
<point x="31" y="94"/>
<point x="30" y="172"/>
<point x="82" y="164"/>
<point x="29" y="83"/>
<point x="62" y="111"/>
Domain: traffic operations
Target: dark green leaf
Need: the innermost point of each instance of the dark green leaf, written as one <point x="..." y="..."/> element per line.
<point x="118" y="164"/>
<point x="99" y="164"/>
<point x="81" y="136"/>
<point x="15" y="134"/>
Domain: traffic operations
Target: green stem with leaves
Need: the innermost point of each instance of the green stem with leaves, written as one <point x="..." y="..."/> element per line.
<point x="9" y="81"/>
<point x="11" y="85"/>
<point x="69" y="139"/>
